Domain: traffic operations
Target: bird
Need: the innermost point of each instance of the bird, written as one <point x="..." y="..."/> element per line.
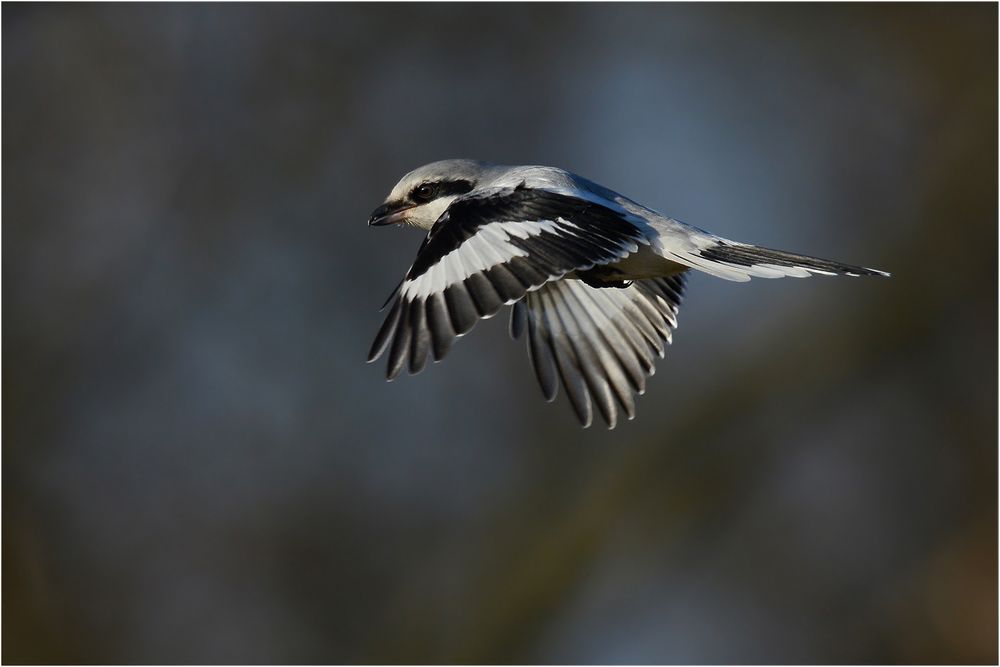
<point x="593" y="278"/>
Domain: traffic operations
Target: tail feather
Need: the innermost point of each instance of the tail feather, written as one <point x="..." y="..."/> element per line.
<point x="783" y="263"/>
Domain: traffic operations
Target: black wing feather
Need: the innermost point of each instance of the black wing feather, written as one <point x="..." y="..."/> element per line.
<point x="603" y="340"/>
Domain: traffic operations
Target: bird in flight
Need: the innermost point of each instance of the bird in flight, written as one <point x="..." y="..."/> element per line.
<point x="594" y="278"/>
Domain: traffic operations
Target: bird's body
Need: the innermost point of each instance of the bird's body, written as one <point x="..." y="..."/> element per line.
<point x="594" y="277"/>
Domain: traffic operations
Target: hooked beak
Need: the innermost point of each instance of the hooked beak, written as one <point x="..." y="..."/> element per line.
<point x="388" y="214"/>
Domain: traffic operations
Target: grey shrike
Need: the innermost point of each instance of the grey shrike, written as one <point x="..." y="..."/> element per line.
<point x="594" y="277"/>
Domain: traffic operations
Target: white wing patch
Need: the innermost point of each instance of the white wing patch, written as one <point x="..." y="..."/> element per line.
<point x="486" y="248"/>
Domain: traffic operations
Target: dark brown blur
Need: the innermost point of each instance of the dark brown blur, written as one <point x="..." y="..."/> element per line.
<point x="200" y="467"/>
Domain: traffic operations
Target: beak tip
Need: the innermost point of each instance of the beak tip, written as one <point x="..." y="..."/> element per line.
<point x="379" y="215"/>
<point x="388" y="215"/>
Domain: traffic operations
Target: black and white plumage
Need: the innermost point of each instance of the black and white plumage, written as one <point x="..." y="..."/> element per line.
<point x="594" y="278"/>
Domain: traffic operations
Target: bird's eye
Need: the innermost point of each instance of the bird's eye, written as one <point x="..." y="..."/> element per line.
<point x="425" y="192"/>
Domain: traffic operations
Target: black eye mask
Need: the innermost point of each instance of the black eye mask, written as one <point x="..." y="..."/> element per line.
<point x="445" y="189"/>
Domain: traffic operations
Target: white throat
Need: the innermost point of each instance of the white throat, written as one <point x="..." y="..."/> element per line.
<point x="425" y="215"/>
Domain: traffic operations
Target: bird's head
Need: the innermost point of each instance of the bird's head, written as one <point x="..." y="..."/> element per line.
<point x="422" y="195"/>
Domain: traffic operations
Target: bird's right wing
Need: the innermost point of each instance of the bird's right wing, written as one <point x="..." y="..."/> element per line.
<point x="599" y="343"/>
<point x="491" y="249"/>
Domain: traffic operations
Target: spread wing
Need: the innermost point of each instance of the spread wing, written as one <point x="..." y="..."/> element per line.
<point x="599" y="343"/>
<point x="490" y="250"/>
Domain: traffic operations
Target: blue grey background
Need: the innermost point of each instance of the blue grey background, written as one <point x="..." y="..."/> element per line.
<point x="200" y="467"/>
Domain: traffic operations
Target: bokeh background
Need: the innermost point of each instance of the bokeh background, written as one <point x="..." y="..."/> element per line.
<point x="198" y="466"/>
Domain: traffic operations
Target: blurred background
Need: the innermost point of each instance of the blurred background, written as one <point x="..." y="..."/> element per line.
<point x="200" y="467"/>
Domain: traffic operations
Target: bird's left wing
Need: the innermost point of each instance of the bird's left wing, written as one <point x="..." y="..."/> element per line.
<point x="489" y="250"/>
<point x="599" y="342"/>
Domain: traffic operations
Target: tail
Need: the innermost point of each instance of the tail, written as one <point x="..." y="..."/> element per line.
<point x="751" y="255"/>
<point x="741" y="261"/>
